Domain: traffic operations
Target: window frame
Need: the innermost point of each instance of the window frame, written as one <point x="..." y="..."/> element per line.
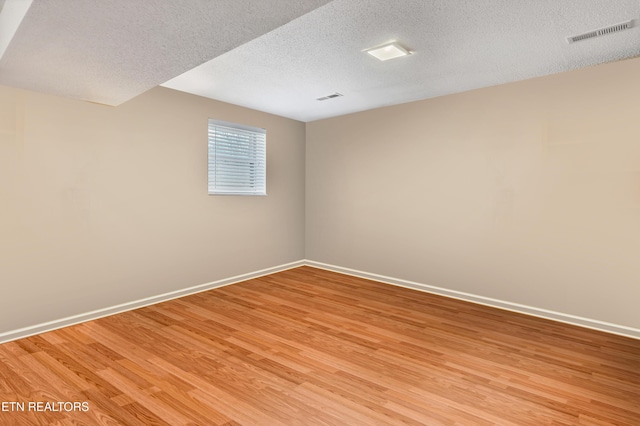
<point x="236" y="159"/>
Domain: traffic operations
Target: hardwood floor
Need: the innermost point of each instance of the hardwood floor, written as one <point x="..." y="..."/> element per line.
<point x="311" y="347"/>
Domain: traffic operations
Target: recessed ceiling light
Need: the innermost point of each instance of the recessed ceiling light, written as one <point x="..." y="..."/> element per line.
<point x="388" y="51"/>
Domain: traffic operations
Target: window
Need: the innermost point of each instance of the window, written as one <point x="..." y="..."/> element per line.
<point x="237" y="159"/>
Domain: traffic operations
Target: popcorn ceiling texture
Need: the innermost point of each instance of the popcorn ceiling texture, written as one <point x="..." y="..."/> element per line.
<point x="111" y="51"/>
<point x="279" y="56"/>
<point x="459" y="46"/>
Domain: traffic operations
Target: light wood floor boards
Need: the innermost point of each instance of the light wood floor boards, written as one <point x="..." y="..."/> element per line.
<point x="311" y="347"/>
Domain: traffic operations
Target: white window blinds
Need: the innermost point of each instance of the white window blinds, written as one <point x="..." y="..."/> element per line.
<point x="237" y="159"/>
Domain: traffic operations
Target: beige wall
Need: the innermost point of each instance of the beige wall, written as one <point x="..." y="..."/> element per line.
<point x="101" y="205"/>
<point x="527" y="192"/>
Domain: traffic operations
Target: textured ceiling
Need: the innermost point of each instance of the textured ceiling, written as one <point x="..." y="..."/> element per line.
<point x="280" y="55"/>
<point x="459" y="45"/>
<point x="109" y="51"/>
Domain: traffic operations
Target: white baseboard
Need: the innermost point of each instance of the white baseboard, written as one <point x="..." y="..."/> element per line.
<point x="501" y="304"/>
<point x="128" y="306"/>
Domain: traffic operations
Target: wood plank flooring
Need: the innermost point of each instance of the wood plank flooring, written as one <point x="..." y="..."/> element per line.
<point x="311" y="347"/>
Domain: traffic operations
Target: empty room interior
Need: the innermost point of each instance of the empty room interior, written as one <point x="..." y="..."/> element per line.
<point x="348" y="212"/>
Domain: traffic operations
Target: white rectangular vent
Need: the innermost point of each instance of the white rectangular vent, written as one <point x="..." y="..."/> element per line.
<point x="602" y="31"/>
<point x="331" y="96"/>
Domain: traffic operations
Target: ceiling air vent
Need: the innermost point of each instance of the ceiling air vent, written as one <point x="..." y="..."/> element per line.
<point x="602" y="31"/>
<point x="331" y="96"/>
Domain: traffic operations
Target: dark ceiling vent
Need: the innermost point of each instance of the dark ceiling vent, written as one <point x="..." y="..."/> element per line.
<point x="331" y="96"/>
<point x="602" y="31"/>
